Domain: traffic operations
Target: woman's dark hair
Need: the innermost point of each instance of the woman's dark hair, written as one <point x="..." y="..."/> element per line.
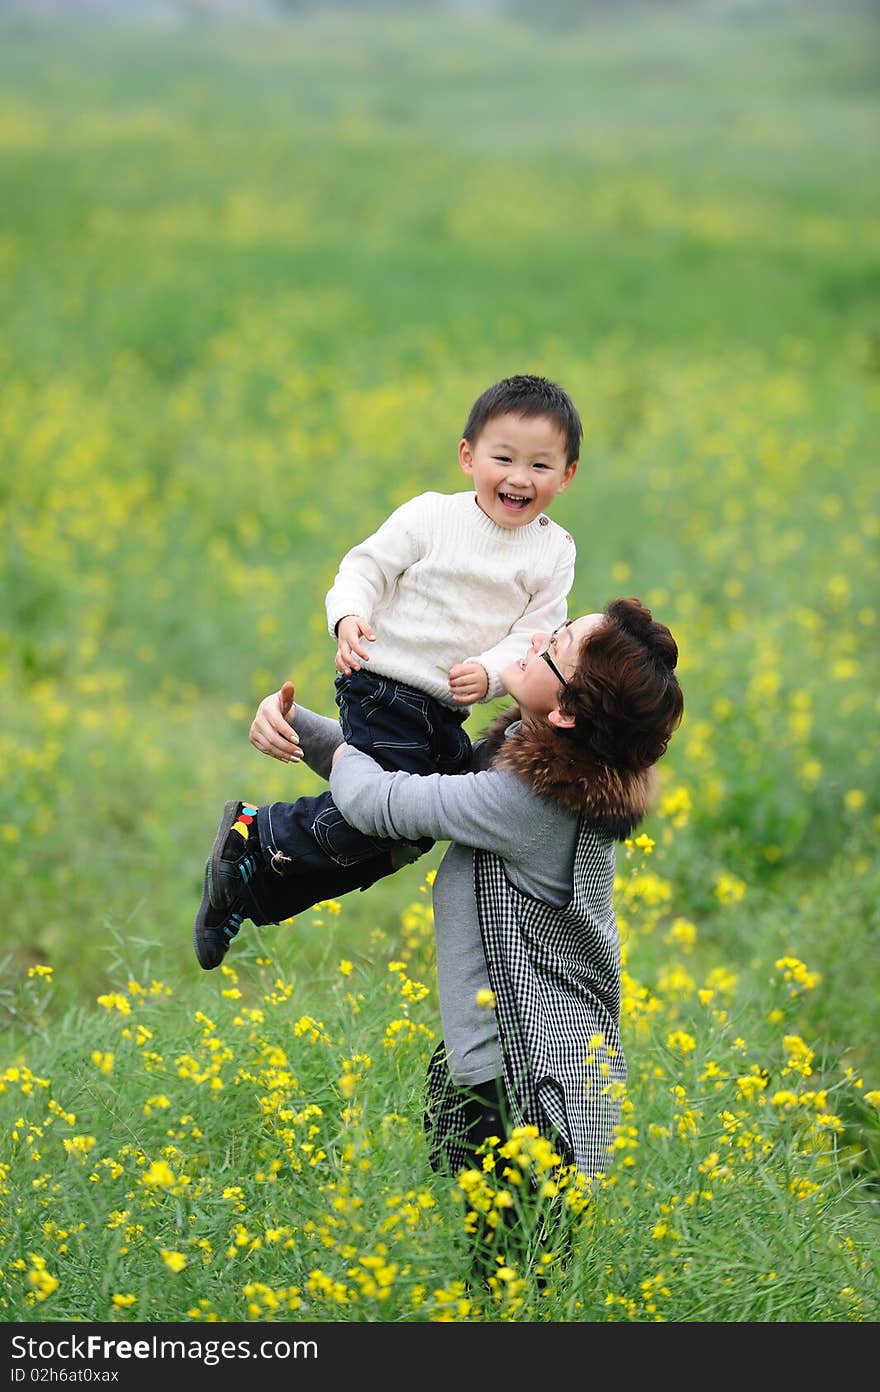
<point x="624" y="693"/>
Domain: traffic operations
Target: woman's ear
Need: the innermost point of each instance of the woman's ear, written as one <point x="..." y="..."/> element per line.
<point x="559" y="718"/>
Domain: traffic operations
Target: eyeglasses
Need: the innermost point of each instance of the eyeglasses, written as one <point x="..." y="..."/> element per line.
<point x="553" y="668"/>
<point x="549" y="660"/>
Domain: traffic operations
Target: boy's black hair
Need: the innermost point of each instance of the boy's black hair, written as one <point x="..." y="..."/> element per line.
<point x="527" y="396"/>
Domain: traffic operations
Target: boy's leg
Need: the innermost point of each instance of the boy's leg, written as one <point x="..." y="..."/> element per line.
<point x="311" y="849"/>
<point x="401" y="727"/>
<point x="250" y="839"/>
<point x="269" y="898"/>
<point x="311" y="836"/>
<point x="284" y="896"/>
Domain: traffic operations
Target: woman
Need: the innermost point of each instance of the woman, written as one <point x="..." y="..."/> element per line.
<point x="523" y="897"/>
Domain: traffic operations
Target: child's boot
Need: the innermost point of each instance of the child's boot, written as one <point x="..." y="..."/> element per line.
<point x="235" y="856"/>
<point x="214" y="929"/>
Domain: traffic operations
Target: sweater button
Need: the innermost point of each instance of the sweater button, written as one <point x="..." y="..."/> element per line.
<point x="544" y="521"/>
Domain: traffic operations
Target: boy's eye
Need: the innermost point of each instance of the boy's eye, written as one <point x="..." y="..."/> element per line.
<point x="502" y="458"/>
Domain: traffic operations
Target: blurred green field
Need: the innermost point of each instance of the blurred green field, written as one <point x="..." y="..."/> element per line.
<point x="252" y="281"/>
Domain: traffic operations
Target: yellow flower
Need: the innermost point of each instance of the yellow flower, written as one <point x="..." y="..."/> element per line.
<point x="414" y="991"/>
<point x="682" y="932"/>
<point x="123" y="1302"/>
<point x="803" y="1188"/>
<point x="158" y="1176"/>
<point x="114" y="1001"/>
<point x="729" y="889"/>
<point x="486" y="998"/>
<point x="160" y="1101"/>
<point x="175" y="1261"/>
<point x="79" y="1146"/>
<point x="800" y="1056"/>
<point x="680" y="1042"/>
<point x="796" y="975"/>
<point x="42" y="1281"/>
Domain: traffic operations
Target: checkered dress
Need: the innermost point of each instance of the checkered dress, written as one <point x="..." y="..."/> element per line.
<point x="555" y="973"/>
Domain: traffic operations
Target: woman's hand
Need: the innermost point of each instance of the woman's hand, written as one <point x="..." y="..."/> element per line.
<point x="271" y="732"/>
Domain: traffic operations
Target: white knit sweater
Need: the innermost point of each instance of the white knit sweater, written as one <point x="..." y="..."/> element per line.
<point x="442" y="583"/>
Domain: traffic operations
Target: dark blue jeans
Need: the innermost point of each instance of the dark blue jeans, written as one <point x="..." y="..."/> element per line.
<point x="311" y="847"/>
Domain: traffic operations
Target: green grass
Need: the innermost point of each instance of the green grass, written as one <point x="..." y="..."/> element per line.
<point x="223" y="1154"/>
<point x="250" y="282"/>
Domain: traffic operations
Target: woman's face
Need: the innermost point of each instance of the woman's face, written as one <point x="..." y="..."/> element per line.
<point x="532" y="681"/>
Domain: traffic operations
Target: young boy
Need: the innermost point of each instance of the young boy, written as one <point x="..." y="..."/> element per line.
<point x="426" y="613"/>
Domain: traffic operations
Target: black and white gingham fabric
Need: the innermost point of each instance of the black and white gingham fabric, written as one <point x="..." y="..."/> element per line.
<point x="555" y="973"/>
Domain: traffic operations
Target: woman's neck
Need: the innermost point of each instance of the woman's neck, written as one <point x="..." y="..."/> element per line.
<point x="531" y="721"/>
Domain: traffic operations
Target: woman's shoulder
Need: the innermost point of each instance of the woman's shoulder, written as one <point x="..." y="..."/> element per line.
<point x="502" y="794"/>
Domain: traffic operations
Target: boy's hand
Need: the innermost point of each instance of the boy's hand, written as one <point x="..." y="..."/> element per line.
<point x="270" y="731"/>
<point x="468" y="682"/>
<point x="351" y="632"/>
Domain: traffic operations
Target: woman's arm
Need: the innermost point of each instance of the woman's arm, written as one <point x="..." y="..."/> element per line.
<point x="489" y="809"/>
<point x="313" y="740"/>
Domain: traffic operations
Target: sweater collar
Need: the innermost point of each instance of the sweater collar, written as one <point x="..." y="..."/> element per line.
<point x="485" y="524"/>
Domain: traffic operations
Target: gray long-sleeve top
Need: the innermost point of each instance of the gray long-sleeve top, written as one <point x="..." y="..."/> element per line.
<point x="491" y="809"/>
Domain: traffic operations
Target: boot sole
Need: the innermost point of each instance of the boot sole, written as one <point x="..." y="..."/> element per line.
<point x="199" y="945"/>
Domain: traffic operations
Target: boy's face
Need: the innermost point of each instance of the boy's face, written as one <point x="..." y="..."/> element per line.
<point x="518" y="466"/>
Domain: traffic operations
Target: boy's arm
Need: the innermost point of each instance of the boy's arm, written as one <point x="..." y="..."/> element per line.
<point x="352" y="633"/>
<point x="367" y="572"/>
<point x="546" y="610"/>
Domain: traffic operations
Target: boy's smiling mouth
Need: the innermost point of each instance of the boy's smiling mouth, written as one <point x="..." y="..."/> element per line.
<point x="513" y="501"/>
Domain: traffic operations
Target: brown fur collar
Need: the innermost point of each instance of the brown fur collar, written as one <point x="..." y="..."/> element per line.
<point x="609" y="799"/>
